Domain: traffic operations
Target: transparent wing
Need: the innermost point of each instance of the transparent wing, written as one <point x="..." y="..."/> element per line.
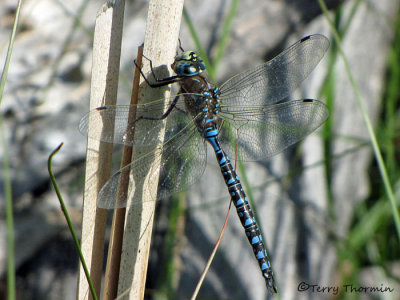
<point x="258" y="132"/>
<point x="276" y="79"/>
<point x="117" y="124"/>
<point x="177" y="163"/>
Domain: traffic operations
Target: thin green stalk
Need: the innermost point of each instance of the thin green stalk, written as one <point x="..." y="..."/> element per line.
<point x="392" y="97"/>
<point x="11" y="291"/>
<point x="374" y="143"/>
<point x="226" y="30"/>
<point x="223" y="40"/>
<point x="69" y="222"/>
<point x="353" y="11"/>
<point x="202" y="53"/>
<point x="369" y="224"/>
<point x="9" y="218"/>
<point x="9" y="51"/>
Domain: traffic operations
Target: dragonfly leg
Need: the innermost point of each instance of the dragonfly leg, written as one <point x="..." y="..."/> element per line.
<point x="180" y="45"/>
<point x="168" y="111"/>
<point x="159" y="81"/>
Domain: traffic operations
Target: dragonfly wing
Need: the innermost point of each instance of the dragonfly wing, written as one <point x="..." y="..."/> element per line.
<point x="127" y="125"/>
<point x="259" y="132"/>
<point x="277" y="78"/>
<point x="174" y="164"/>
<point x="183" y="163"/>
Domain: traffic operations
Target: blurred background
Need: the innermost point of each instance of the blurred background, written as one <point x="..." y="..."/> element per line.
<point x="321" y="204"/>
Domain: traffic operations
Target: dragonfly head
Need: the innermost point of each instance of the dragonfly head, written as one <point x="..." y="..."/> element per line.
<point x="188" y="64"/>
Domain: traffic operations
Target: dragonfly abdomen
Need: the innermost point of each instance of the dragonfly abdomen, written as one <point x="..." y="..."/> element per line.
<point x="243" y="209"/>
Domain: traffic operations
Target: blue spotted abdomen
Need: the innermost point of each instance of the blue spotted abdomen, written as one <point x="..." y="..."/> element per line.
<point x="243" y="208"/>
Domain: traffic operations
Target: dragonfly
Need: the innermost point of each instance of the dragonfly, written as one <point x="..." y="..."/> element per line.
<point x="247" y="118"/>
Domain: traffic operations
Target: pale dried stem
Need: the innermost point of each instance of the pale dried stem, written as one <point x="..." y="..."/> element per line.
<point x="103" y="91"/>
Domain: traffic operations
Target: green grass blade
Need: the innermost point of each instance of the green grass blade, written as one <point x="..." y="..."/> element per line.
<point x="11" y="290"/>
<point x="226" y="30"/>
<point x="223" y="40"/>
<point x="69" y="222"/>
<point x="9" y="218"/>
<point x="389" y="131"/>
<point x="200" y="49"/>
<point x="9" y="51"/>
<point x="373" y="140"/>
<point x="369" y="224"/>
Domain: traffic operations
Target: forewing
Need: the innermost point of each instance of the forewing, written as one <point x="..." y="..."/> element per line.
<point x="276" y="79"/>
<point x="127" y="125"/>
<point x="255" y="133"/>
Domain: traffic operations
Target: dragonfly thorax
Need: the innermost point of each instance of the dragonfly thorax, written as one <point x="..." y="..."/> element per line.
<point x="201" y="96"/>
<point x="204" y="109"/>
<point x="188" y="63"/>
